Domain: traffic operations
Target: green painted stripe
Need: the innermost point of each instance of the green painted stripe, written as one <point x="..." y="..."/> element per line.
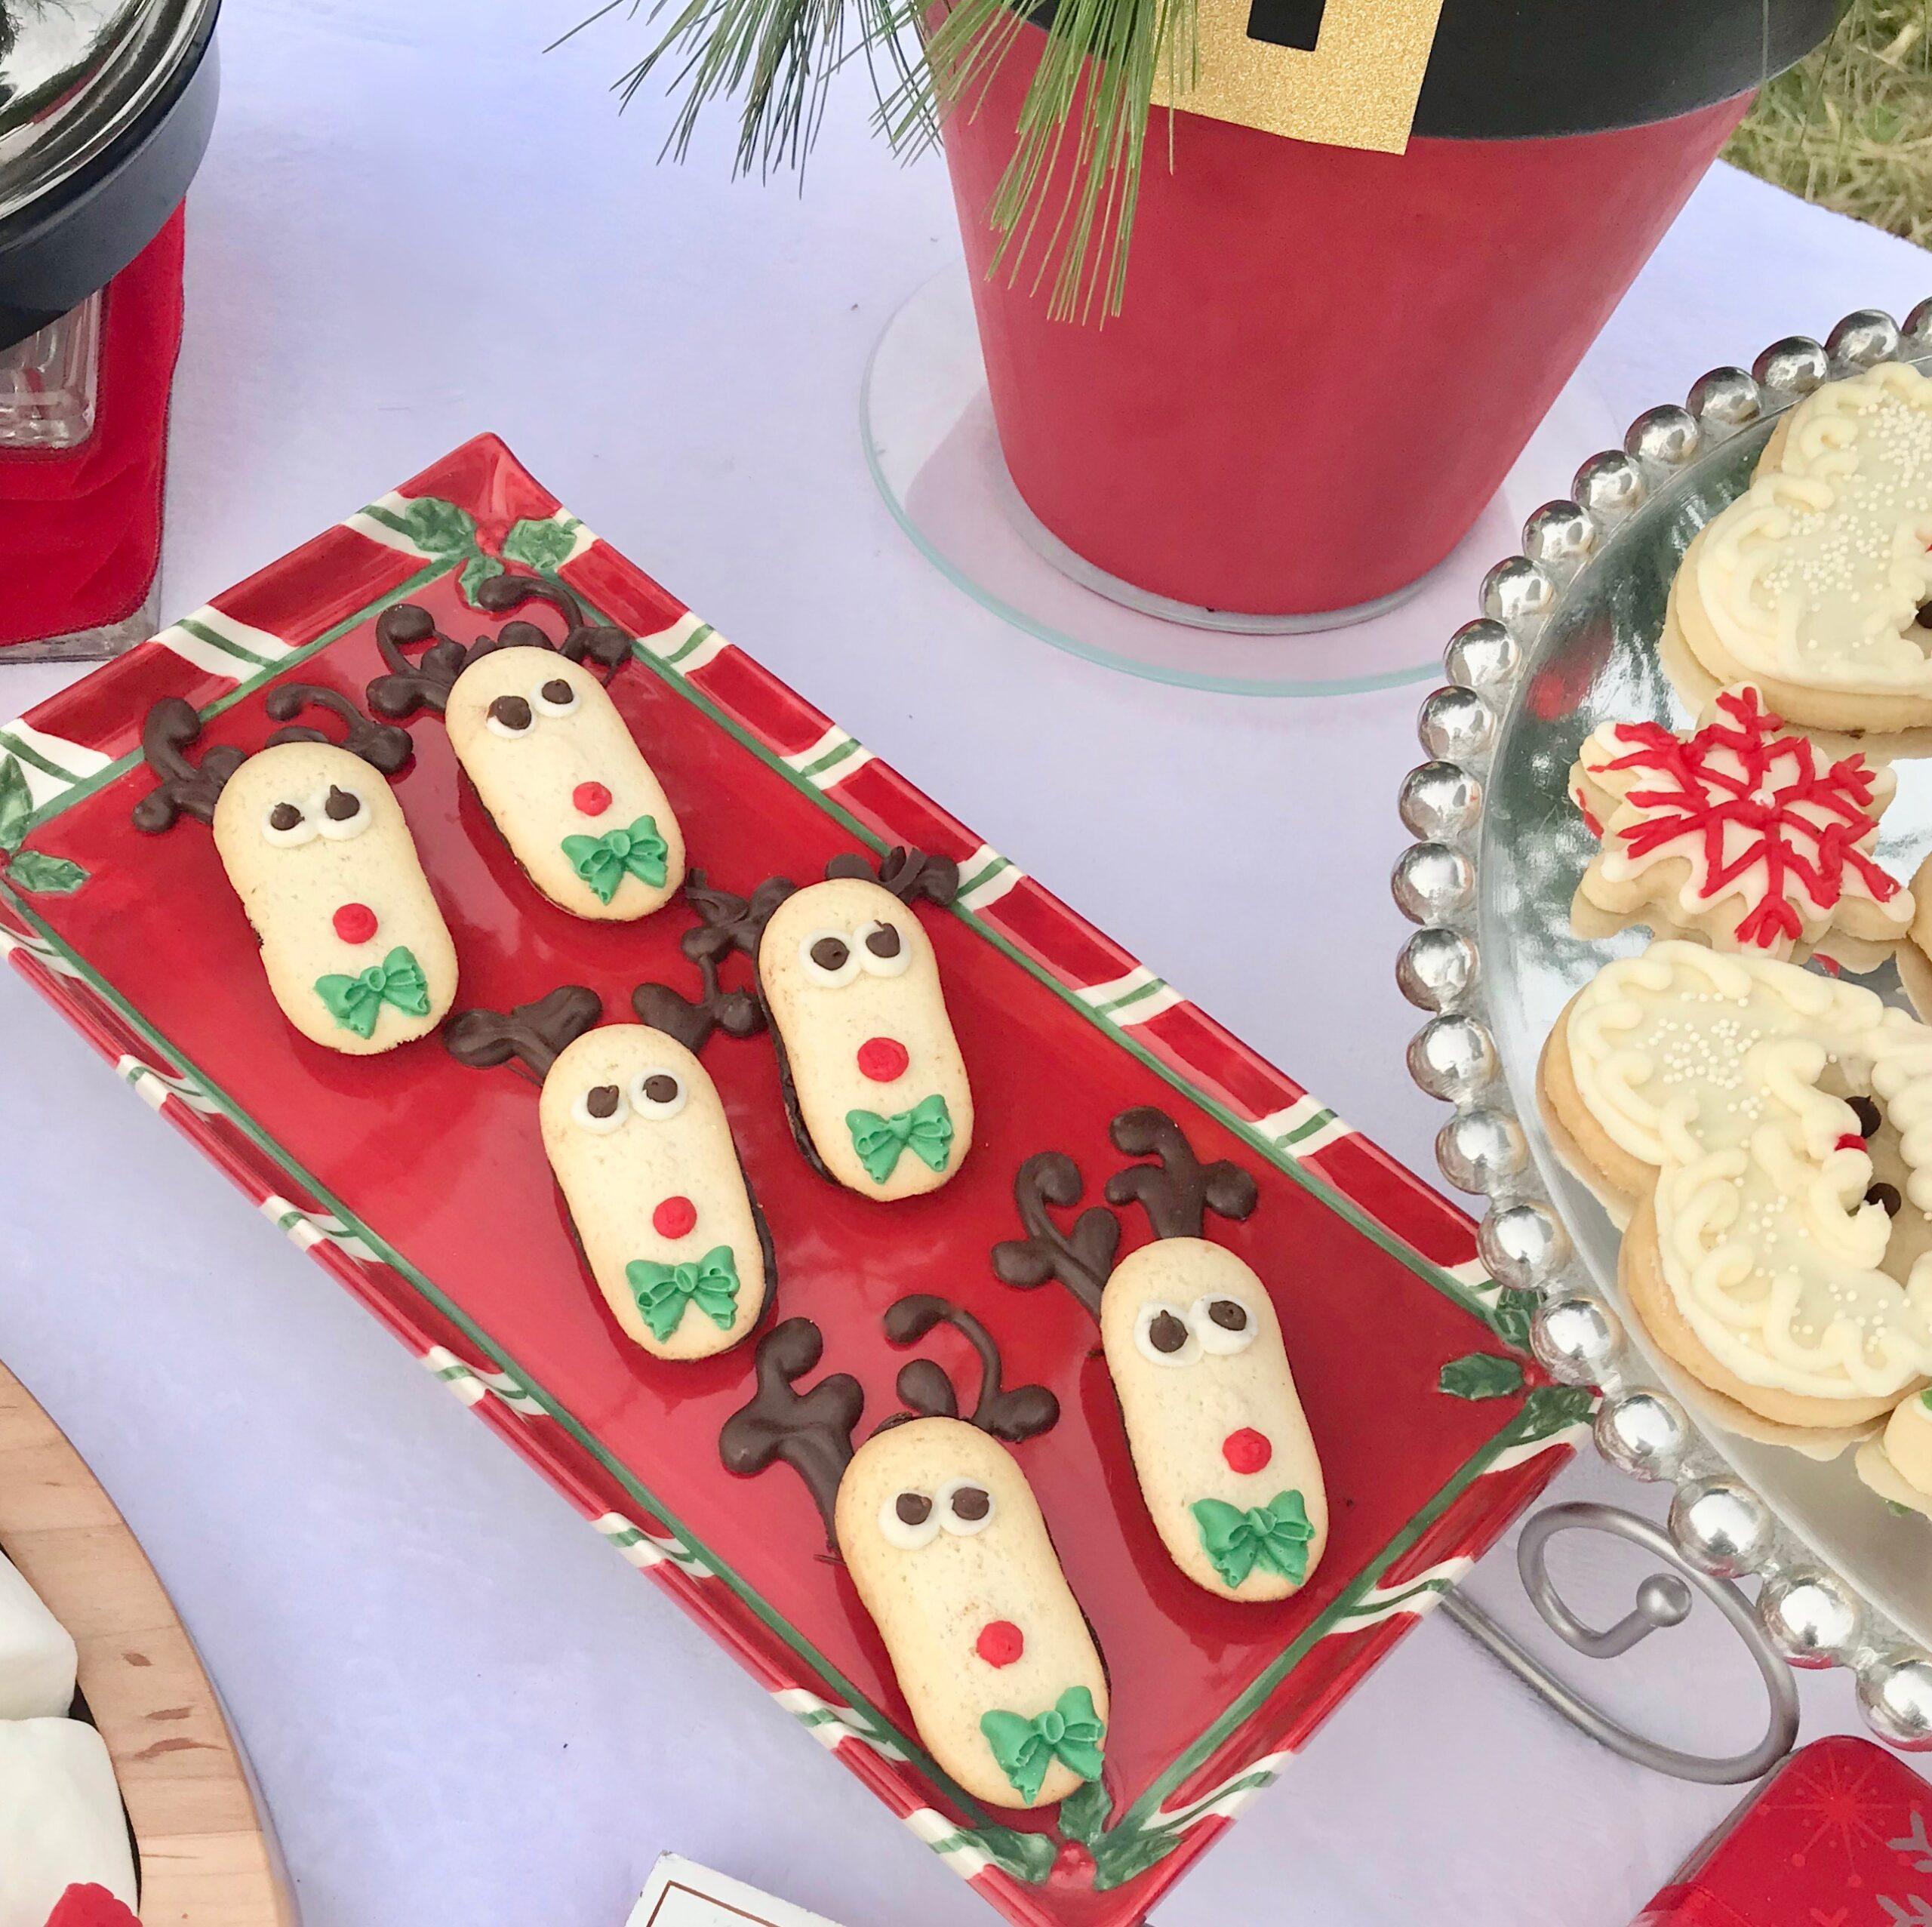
<point x="1133" y="996"/>
<point x="389" y="519"/>
<point x="27" y="754"/>
<point x="981" y="877"/>
<point x="1320" y="1120"/>
<point x="832" y="758"/>
<point x="702" y="633"/>
<point x="214" y="639"/>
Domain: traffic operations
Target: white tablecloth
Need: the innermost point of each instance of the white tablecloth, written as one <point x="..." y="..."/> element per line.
<point x="414" y="225"/>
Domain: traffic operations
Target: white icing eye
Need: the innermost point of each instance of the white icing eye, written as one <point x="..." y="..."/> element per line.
<point x="657" y="1094"/>
<point x="340" y="813"/>
<point x="601" y="1109"/>
<point x="1165" y="1335"/>
<point x="829" y="958"/>
<point x="509" y="716"/>
<point x="882" y="948"/>
<point x="965" y="1507"/>
<point x="1223" y="1323"/>
<point x="555" y="697"/>
<point x="909" y="1520"/>
<point x="287" y="824"/>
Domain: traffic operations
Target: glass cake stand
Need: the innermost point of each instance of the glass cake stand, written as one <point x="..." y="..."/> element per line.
<point x="928" y="424"/>
<point x="1567" y="639"/>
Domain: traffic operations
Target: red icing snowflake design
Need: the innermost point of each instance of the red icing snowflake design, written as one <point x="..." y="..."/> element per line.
<point x="1802" y="819"/>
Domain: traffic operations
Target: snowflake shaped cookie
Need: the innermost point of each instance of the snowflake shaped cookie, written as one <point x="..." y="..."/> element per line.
<point x="1741" y="831"/>
<point x="1815" y="583"/>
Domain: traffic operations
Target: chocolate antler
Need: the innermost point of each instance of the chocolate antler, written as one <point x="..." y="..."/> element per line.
<point x="598" y="640"/>
<point x="381" y="745"/>
<point x="186" y="789"/>
<point x="425" y="683"/>
<point x="1178" y="1192"/>
<point x="534" y="1033"/>
<point x="1081" y="1259"/>
<point x="1022" y="1413"/>
<point x="908" y="873"/>
<point x="729" y="923"/>
<point x="811" y="1432"/>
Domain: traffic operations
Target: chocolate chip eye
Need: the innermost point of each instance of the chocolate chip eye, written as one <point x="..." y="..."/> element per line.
<point x="602" y="1109"/>
<point x="1229" y="1316"/>
<point x="1868" y="1116"/>
<point x="284" y="817"/>
<point x="557" y="697"/>
<point x="883" y="941"/>
<point x="909" y="1520"/>
<point x="829" y="954"/>
<point x="1166" y="1333"/>
<point x="510" y="716"/>
<point x="1222" y="1324"/>
<point x="287" y="824"/>
<point x="1888" y="1195"/>
<point x="913" y="1508"/>
<point x="972" y="1502"/>
<point x="965" y="1506"/>
<point x="341" y="804"/>
<point x="884" y="950"/>
<point x="657" y="1093"/>
<point x="829" y="958"/>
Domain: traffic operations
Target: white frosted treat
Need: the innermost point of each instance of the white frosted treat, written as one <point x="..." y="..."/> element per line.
<point x="36" y="1658"/>
<point x="62" y="1823"/>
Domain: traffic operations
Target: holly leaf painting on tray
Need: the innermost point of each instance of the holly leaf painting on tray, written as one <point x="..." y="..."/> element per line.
<point x="29" y="869"/>
<point x="16" y="805"/>
<point x="539" y="545"/>
<point x="1479" y="1375"/>
<point x="436" y="527"/>
<point x="1510" y="1315"/>
<point x="476" y="571"/>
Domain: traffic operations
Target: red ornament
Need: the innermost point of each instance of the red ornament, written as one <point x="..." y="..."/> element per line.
<point x="1000" y="1643"/>
<point x="89" y="1906"/>
<point x="354" y="923"/>
<point x="1247" y="1450"/>
<point x="882" y="1059"/>
<point x="675" y="1218"/>
<point x="591" y="798"/>
<point x="1802" y="824"/>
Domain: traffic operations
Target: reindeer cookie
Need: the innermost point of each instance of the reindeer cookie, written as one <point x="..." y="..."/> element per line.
<point x="316" y="847"/>
<point x="1221" y="1447"/>
<point x="951" y="1557"/>
<point x="552" y="761"/>
<point x="848" y="985"/>
<point x="1811" y="583"/>
<point x="637" y="1139"/>
<point x="1741" y="831"/>
<point x="1758" y="1127"/>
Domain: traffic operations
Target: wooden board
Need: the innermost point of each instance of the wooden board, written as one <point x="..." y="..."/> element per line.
<point x="206" y="1856"/>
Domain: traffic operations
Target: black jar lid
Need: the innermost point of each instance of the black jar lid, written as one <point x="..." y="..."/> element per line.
<point x="106" y="107"/>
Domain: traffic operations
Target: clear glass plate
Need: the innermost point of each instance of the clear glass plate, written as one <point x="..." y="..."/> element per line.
<point x="1597" y="661"/>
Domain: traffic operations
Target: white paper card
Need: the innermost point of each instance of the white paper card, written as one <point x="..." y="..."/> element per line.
<point x="682" y="1894"/>
<point x="37" y="1659"/>
<point x="62" y="1823"/>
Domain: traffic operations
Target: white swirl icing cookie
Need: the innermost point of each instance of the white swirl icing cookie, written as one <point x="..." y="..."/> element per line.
<point x="1811" y="583"/>
<point x="1732" y="1106"/>
<point x="1740" y="830"/>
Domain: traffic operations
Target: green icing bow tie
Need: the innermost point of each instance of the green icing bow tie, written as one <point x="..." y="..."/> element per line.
<point x="1274" y="1537"/>
<point x="604" y="861"/>
<point x="926" y="1131"/>
<point x="1070" y="1732"/>
<point x="664" y="1291"/>
<point x="355" y="1002"/>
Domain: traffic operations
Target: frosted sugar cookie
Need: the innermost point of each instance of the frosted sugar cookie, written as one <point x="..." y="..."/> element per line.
<point x="1740" y="1112"/>
<point x="1741" y="830"/>
<point x="1811" y="584"/>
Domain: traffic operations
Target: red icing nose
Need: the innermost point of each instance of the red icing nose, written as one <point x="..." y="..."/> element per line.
<point x="882" y="1059"/>
<point x="354" y="923"/>
<point x="674" y="1218"/>
<point x="1247" y="1450"/>
<point x="1851" y="1141"/>
<point x="1000" y="1643"/>
<point x="591" y="798"/>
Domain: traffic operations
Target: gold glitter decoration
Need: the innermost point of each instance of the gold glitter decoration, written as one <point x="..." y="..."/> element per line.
<point x="1358" y="88"/>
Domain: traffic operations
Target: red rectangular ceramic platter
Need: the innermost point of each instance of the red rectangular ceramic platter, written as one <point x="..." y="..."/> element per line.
<point x="423" y="1187"/>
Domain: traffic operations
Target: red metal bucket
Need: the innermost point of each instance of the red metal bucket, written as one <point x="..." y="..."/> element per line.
<point x="1327" y="359"/>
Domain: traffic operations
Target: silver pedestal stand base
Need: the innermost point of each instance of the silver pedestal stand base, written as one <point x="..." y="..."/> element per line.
<point x="1664" y="1600"/>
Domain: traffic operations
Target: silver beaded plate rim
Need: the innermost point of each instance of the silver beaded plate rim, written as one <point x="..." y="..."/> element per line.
<point x="1812" y="1614"/>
